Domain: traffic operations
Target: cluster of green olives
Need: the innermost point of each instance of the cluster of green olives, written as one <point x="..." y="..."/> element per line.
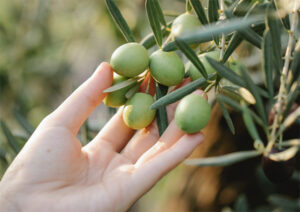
<point x="167" y="68"/>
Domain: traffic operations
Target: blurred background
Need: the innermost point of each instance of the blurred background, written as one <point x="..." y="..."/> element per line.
<point x="48" y="48"/>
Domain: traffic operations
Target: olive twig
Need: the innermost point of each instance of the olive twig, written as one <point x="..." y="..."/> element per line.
<point x="222" y="17"/>
<point x="279" y="105"/>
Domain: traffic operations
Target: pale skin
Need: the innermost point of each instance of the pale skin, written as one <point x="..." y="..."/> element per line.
<point x="53" y="172"/>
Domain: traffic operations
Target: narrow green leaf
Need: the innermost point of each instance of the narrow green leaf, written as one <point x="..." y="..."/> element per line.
<point x="239" y="108"/>
<point x="275" y="31"/>
<point x="196" y="4"/>
<point x="268" y="62"/>
<point x="226" y="72"/>
<point x="251" y="36"/>
<point x="120" y="85"/>
<point x="213" y="8"/>
<point x="250" y="124"/>
<point x="204" y="34"/>
<point x="3" y="155"/>
<point x="213" y="15"/>
<point x="23" y="122"/>
<point x="13" y="143"/>
<point x="255" y="92"/>
<point x="234" y="42"/>
<point x="286" y="22"/>
<point x="191" y="55"/>
<point x="160" y="13"/>
<point x="149" y="40"/>
<point x="242" y="7"/>
<point x="226" y="116"/>
<point x="161" y="115"/>
<point x="180" y="93"/>
<point x="224" y="160"/>
<point x="119" y="20"/>
<point x="132" y="91"/>
<point x="154" y="21"/>
<point x="229" y="74"/>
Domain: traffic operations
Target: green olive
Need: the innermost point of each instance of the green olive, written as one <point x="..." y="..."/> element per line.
<point x="184" y="23"/>
<point x="137" y="113"/>
<point x="195" y="73"/>
<point x="130" y="59"/>
<point x="192" y="113"/>
<point x="166" y="68"/>
<point x="117" y="98"/>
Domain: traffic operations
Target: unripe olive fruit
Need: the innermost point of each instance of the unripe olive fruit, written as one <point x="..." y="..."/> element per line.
<point x="166" y="68"/>
<point x="117" y="98"/>
<point x="195" y="73"/>
<point x="184" y="23"/>
<point x="192" y="113"/>
<point x="130" y="59"/>
<point x="137" y="113"/>
<point x="278" y="171"/>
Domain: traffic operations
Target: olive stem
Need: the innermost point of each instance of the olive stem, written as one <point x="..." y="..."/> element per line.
<point x="279" y="105"/>
<point x="222" y="17"/>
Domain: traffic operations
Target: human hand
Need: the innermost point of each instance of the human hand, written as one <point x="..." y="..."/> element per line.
<point x="53" y="172"/>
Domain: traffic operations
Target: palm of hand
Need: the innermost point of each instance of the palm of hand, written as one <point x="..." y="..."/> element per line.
<point x="55" y="173"/>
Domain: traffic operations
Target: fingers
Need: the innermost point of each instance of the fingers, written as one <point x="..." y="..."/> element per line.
<point x="115" y="132"/>
<point x="77" y="107"/>
<point x="149" y="173"/>
<point x="146" y="138"/>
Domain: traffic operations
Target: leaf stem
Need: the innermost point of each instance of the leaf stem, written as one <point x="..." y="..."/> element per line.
<point x="279" y="105"/>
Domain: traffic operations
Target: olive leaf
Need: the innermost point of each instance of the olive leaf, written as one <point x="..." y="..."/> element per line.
<point x="268" y="62"/>
<point x="239" y="108"/>
<point x="213" y="15"/>
<point x="275" y="32"/>
<point x="191" y="55"/>
<point x="161" y="115"/>
<point x="119" y="20"/>
<point x="255" y="92"/>
<point x="150" y="41"/>
<point x="286" y="22"/>
<point x="196" y="4"/>
<point x="23" y="122"/>
<point x="226" y="116"/>
<point x="242" y="7"/>
<point x="250" y="124"/>
<point x="234" y="42"/>
<point x="180" y="92"/>
<point x="204" y="34"/>
<point x="251" y="36"/>
<point x="13" y="143"/>
<point x="154" y="20"/>
<point x="224" y="160"/>
<point x="132" y="91"/>
<point x="230" y="75"/>
<point x="121" y="85"/>
<point x="213" y="8"/>
<point x="159" y="13"/>
<point x="3" y="155"/>
<point x="247" y="33"/>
